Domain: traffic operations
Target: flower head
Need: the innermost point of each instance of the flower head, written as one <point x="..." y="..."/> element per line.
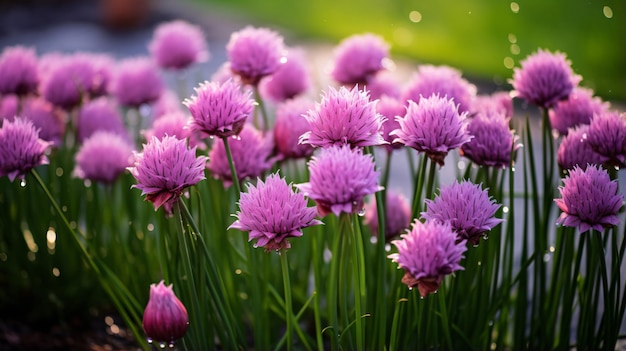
<point x="290" y="124"/>
<point x="21" y="149"/>
<point x="498" y="103"/>
<point x="340" y="179"/>
<point x="607" y="136"/>
<point x="469" y="210"/>
<point x="290" y="80"/>
<point x="383" y="83"/>
<point x="103" y="157"/>
<point x="18" y="71"/>
<point x="577" y="109"/>
<point x="219" y="109"/>
<point x="390" y="108"/>
<point x="137" y="81"/>
<point x="397" y="214"/>
<point x="272" y="212"/>
<point x="427" y="253"/>
<point x="254" y="53"/>
<point x="178" y="44"/>
<point x="433" y="126"/>
<point x="251" y="152"/>
<point x="99" y="114"/>
<point x="45" y="116"/>
<point x="174" y="124"/>
<point x="575" y="150"/>
<point x="544" y="78"/>
<point x="165" y="318"/>
<point x="165" y="168"/>
<point x="493" y="143"/>
<point x="589" y="199"/>
<point x="441" y="80"/>
<point x="344" y="117"/>
<point x="167" y="103"/>
<point x="358" y="58"/>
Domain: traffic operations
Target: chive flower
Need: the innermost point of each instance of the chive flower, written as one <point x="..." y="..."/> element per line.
<point x="101" y="114"/>
<point x="579" y="108"/>
<point x="358" y="58"/>
<point x="493" y="142"/>
<point x="290" y="80"/>
<point x="607" y="136"/>
<point x="254" y="53"/>
<point x="290" y="124"/>
<point x="575" y="150"/>
<point x="21" y="149"/>
<point x="137" y="81"/>
<point x="165" y="318"/>
<point x="397" y="214"/>
<point x="103" y="157"/>
<point x="177" y="45"/>
<point x="18" y="71"/>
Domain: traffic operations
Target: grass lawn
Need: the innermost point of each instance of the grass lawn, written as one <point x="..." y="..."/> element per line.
<point x="482" y="38"/>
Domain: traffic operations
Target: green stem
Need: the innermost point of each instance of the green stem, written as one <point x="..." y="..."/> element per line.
<point x="233" y="171"/>
<point x="431" y="180"/>
<point x="419" y="184"/>
<point x="288" y="304"/>
<point x="359" y="281"/>
<point x="259" y="100"/>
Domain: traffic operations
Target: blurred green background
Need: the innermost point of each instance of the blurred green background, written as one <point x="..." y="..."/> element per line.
<point x="483" y="38"/>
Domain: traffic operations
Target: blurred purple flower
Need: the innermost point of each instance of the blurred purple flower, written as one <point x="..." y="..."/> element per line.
<point x="575" y="150"/>
<point x="397" y="214"/>
<point x="358" y="58"/>
<point x="21" y="149"/>
<point x="8" y="107"/>
<point x="174" y="124"/>
<point x="165" y="168"/>
<point x="589" y="199"/>
<point x="137" y="81"/>
<point x="427" y="253"/>
<point x="254" y="53"/>
<point x="494" y="142"/>
<point x="383" y="84"/>
<point x="544" y="78"/>
<point x="272" y="212"/>
<point x="390" y="108"/>
<point x="340" y="178"/>
<point x="167" y="103"/>
<point x="251" y="153"/>
<point x="441" y="80"/>
<point x="498" y="103"/>
<point x="18" y="70"/>
<point x="607" y="136"/>
<point x="165" y="318"/>
<point x="103" y="157"/>
<point x="344" y="117"/>
<point x="99" y="114"/>
<point x="290" y="124"/>
<point x="577" y="109"/>
<point x="290" y="80"/>
<point x="219" y="109"/>
<point x="469" y="210"/>
<point x="433" y="126"/>
<point x="46" y="117"/>
<point x="177" y="45"/>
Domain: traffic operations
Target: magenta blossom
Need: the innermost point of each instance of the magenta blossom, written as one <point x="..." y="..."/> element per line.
<point x="165" y="168"/>
<point x="340" y="179"/>
<point x="494" y="142"/>
<point x="255" y="53"/>
<point x="427" y="253"/>
<point x="575" y="150"/>
<point x="167" y="103"/>
<point x="607" y="136"/>
<point x="358" y="58"/>
<point x="397" y="214"/>
<point x="46" y="117"/>
<point x="177" y="45"/>
<point x="18" y="71"/>
<point x="433" y="126"/>
<point x="21" y="149"/>
<point x="290" y="124"/>
<point x="251" y="152"/>
<point x="383" y="84"/>
<point x="290" y="80"/>
<point x="174" y="124"/>
<point x="272" y="212"/>
<point x="219" y="109"/>
<point x="577" y="109"/>
<point x="544" y="78"/>
<point x="103" y="157"/>
<point x="589" y="199"/>
<point x="344" y="117"/>
<point x="390" y="108"/>
<point x="468" y="208"/>
<point x="137" y="82"/>
<point x="165" y="318"/>
<point x="498" y="103"/>
<point x="101" y="114"/>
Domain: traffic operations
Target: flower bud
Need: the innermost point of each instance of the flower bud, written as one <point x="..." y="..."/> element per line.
<point x="165" y="318"/>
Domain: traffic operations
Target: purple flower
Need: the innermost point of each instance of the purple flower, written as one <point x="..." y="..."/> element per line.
<point x="165" y="318"/>
<point x="290" y="80"/>
<point x="397" y="214"/>
<point x="137" y="81"/>
<point x="174" y="124"/>
<point x="441" y="80"/>
<point x="99" y="114"/>
<point x="383" y="83"/>
<point x="469" y="210"/>
<point x="427" y="253"/>
<point x="590" y="200"/>
<point x="358" y="58"/>
<point x="607" y="136"/>
<point x="165" y="168"/>
<point x="254" y="53"/>
<point x="219" y="109"/>
<point x="251" y="153"/>
<point x="177" y="45"/>
<point x="45" y="117"/>
<point x="575" y="150"/>
<point x="167" y="103"/>
<point x="390" y="108"/>
<point x="340" y="178"/>
<point x="290" y="124"/>
<point x="103" y="157"/>
<point x="577" y="109"/>
<point x="493" y="143"/>
<point x="8" y="107"/>
<point x="18" y="71"/>
<point x="433" y="126"/>
<point x="21" y="149"/>
<point x="498" y="103"/>
<point x="344" y="117"/>
<point x="272" y="212"/>
<point x="544" y="78"/>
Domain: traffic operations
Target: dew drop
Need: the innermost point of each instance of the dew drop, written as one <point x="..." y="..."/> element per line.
<point x="23" y="183"/>
<point x="410" y="288"/>
<point x="373" y="239"/>
<point x="607" y="11"/>
<point x="387" y="247"/>
<point x="149" y="340"/>
<point x="162" y="345"/>
<point x="546" y="257"/>
<point x="171" y="345"/>
<point x="361" y="212"/>
<point x="514" y="7"/>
